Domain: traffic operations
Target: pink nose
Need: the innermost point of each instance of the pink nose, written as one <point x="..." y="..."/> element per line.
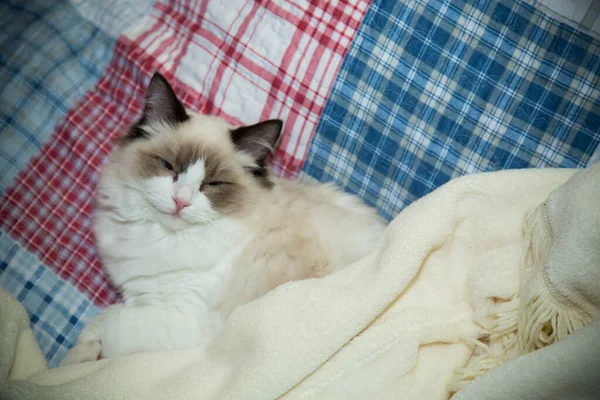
<point x="180" y="203"/>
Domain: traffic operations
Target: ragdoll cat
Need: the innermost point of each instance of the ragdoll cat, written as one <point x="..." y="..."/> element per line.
<point x="189" y="225"/>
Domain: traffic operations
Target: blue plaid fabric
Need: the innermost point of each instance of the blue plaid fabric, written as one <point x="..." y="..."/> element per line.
<point x="56" y="309"/>
<point x="431" y="90"/>
<point x="113" y="16"/>
<point x="49" y="57"/>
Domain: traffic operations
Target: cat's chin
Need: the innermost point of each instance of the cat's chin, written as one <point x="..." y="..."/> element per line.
<point x="176" y="222"/>
<point x="173" y="222"/>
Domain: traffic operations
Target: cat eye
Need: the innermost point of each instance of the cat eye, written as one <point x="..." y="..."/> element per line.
<point x="214" y="184"/>
<point x="167" y="165"/>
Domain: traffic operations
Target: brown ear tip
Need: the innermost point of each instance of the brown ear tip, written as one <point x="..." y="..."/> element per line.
<point x="278" y="122"/>
<point x="157" y="78"/>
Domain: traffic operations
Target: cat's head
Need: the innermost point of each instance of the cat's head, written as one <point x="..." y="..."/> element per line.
<point x="182" y="169"/>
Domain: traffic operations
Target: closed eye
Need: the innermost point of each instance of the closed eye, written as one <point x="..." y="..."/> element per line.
<point x="214" y="184"/>
<point x="166" y="164"/>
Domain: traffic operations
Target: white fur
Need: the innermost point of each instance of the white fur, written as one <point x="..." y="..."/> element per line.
<point x="180" y="277"/>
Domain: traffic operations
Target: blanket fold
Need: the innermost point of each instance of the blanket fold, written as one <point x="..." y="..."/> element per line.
<point x="397" y="323"/>
<point x="20" y="357"/>
<point x="569" y="369"/>
<point x="558" y="288"/>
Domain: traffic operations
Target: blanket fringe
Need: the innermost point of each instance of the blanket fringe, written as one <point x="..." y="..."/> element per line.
<point x="533" y="318"/>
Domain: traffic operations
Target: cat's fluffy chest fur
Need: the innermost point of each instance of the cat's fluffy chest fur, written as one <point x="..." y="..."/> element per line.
<point x="189" y="226"/>
<point x="175" y="277"/>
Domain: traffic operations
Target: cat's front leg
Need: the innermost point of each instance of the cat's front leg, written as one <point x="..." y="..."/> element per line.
<point x="89" y="344"/>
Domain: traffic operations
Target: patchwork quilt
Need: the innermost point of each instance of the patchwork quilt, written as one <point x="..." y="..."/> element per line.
<point x="389" y="99"/>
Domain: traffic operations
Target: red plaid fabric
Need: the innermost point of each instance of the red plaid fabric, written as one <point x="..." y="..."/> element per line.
<point x="242" y="59"/>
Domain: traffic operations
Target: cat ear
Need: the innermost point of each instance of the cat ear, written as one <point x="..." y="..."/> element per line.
<point x="162" y="103"/>
<point x="259" y="140"/>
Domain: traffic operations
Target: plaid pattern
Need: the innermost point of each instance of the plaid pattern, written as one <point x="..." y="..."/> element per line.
<point x="255" y="60"/>
<point x="113" y="17"/>
<point x="49" y="57"/>
<point x="435" y="89"/>
<point x="247" y="61"/>
<point x="57" y="311"/>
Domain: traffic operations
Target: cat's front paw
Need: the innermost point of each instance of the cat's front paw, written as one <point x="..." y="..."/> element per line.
<point x="83" y="351"/>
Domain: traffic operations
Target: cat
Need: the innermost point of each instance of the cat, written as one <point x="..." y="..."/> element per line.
<point x="190" y="224"/>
